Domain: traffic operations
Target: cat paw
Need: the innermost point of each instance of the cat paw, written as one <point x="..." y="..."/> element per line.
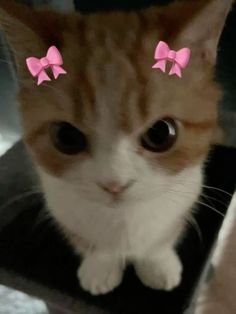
<point x="100" y="275"/>
<point x="160" y="273"/>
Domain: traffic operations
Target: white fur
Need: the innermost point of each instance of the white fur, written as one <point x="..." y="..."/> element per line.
<point x="145" y="222"/>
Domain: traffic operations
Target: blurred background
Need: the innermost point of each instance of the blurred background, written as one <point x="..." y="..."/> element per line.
<point x="9" y="122"/>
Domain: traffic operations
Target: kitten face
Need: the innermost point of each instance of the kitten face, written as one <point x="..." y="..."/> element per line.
<point x="113" y="96"/>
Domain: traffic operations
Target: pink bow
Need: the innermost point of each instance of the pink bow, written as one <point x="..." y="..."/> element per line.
<point x="180" y="59"/>
<point x="52" y="60"/>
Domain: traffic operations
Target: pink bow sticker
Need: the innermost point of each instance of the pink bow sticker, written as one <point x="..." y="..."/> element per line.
<point x="52" y="60"/>
<point x="179" y="59"/>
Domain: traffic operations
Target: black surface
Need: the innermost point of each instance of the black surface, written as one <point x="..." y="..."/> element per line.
<point x="106" y="5"/>
<point x="31" y="246"/>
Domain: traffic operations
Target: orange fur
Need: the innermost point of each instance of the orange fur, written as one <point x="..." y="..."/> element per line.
<point x="126" y="42"/>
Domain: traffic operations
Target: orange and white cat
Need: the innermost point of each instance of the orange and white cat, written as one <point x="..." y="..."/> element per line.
<point x="119" y="147"/>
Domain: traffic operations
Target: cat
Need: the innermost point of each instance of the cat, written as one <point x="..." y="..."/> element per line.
<point x="119" y="146"/>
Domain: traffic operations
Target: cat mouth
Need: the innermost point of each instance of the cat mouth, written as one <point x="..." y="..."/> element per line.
<point x="115" y="200"/>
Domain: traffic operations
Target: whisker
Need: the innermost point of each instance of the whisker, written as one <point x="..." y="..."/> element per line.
<point x="189" y="218"/>
<point x="217" y="189"/>
<point x="199" y="202"/>
<point x="207" y="187"/>
<point x="212" y="208"/>
<point x="212" y="198"/>
<point x="209" y="198"/>
<point x="193" y="222"/>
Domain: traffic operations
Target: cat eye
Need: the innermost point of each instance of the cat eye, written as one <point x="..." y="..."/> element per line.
<point x="161" y="136"/>
<point x="67" y="139"/>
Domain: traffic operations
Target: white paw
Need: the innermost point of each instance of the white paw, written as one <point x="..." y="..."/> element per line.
<point x="160" y="273"/>
<point x="100" y="274"/>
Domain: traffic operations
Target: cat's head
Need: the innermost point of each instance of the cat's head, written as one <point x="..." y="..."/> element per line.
<point x="113" y="122"/>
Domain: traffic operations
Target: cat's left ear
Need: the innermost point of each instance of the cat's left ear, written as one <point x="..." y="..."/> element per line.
<point x="204" y="27"/>
<point x="28" y="32"/>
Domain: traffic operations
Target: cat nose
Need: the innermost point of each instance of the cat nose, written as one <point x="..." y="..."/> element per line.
<point x="115" y="188"/>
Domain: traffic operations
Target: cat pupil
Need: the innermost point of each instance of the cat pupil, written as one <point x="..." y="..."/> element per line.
<point x="67" y="135"/>
<point x="161" y="136"/>
<point x="67" y="139"/>
<point x="159" y="132"/>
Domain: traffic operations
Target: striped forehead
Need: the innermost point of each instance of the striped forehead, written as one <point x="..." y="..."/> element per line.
<point x="108" y="97"/>
<point x="115" y="94"/>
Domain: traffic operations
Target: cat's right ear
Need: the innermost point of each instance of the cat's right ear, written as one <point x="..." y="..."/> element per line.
<point x="28" y="32"/>
<point x="19" y="24"/>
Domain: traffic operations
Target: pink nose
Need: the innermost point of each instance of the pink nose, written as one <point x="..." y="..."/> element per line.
<point x="114" y="188"/>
